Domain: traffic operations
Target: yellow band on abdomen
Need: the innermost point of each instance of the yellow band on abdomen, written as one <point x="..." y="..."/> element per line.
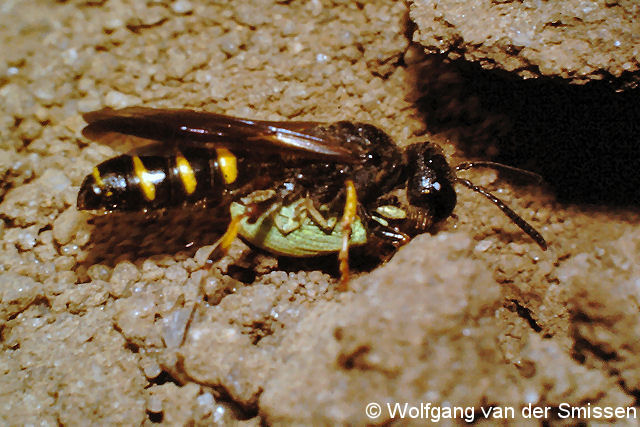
<point x="186" y="173"/>
<point x="97" y="177"/>
<point x="228" y="165"/>
<point x="144" y="177"/>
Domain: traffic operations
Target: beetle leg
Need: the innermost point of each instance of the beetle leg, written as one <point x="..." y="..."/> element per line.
<point x="317" y="217"/>
<point x="286" y="224"/>
<point x="348" y="216"/>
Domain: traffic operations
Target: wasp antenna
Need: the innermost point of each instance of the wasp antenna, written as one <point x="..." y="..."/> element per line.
<point x="524" y="225"/>
<point x="499" y="166"/>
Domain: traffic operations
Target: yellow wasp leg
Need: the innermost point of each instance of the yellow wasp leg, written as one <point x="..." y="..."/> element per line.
<point x="227" y="238"/>
<point x="348" y="216"/>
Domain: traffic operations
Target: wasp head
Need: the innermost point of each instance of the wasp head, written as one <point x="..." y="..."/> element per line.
<point x="430" y="181"/>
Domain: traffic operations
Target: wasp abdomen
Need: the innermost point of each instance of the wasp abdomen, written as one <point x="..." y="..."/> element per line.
<point x="131" y="182"/>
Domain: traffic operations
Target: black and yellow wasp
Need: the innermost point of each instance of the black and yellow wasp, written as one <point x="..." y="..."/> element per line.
<point x="293" y="188"/>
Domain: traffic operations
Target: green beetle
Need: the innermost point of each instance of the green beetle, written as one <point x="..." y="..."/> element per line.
<point x="290" y="231"/>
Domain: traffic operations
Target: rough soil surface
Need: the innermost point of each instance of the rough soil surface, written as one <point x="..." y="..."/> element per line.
<point x="573" y="39"/>
<point x="113" y="319"/>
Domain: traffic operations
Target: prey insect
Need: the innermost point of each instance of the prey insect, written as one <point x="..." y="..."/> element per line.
<point x="298" y="189"/>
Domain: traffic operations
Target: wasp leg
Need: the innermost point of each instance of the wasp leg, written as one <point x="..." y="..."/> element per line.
<point x="223" y="244"/>
<point x="348" y="216"/>
<point x="252" y="212"/>
<point x="392" y="235"/>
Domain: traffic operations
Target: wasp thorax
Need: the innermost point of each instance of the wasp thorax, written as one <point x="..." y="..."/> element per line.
<point x="430" y="181"/>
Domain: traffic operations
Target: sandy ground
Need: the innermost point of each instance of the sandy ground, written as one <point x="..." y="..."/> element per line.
<point x="111" y="319"/>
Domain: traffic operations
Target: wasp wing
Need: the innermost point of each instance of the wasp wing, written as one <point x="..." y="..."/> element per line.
<point x="199" y="128"/>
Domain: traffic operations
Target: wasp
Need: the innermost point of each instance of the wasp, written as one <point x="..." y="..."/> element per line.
<point x="298" y="189"/>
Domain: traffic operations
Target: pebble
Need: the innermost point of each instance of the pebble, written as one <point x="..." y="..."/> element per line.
<point x="67" y="223"/>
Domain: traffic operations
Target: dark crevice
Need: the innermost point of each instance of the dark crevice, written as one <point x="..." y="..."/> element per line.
<point x="259" y="329"/>
<point x="631" y="392"/>
<point x="355" y="358"/>
<point x="128" y="344"/>
<point x="525" y="313"/>
<point x="582" y="346"/>
<point x="583" y="139"/>
<point x="241" y="274"/>
<point x="163" y="378"/>
<point x="133" y="348"/>
<point x="45" y="228"/>
<point x="155" y="417"/>
<point x="39" y="300"/>
<point x="8" y="221"/>
<point x="138" y="28"/>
